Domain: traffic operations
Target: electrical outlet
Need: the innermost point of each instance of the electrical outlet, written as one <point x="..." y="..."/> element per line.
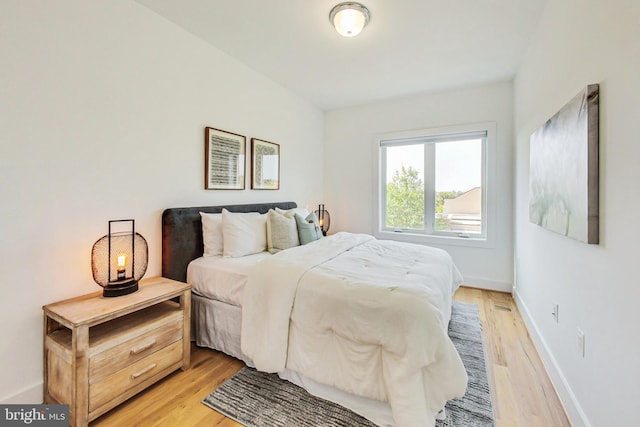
<point x="581" y="345"/>
<point x="554" y="311"/>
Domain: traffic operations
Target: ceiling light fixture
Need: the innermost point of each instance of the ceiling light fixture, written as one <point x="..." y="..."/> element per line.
<point x="349" y="18"/>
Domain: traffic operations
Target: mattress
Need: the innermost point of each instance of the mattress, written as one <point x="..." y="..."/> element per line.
<point x="221" y="278"/>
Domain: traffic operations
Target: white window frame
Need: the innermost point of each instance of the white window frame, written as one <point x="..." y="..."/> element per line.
<point x="430" y="236"/>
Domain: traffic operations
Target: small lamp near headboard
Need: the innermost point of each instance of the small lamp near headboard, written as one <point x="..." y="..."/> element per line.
<point x="324" y="219"/>
<point x="119" y="259"/>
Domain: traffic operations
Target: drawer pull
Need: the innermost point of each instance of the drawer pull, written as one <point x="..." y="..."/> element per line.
<point x="144" y="371"/>
<point x="140" y="349"/>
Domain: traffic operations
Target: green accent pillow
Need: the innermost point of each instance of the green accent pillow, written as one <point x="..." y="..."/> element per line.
<point x="308" y="228"/>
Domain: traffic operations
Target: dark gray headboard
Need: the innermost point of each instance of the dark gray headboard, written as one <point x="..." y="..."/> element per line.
<point x="182" y="234"/>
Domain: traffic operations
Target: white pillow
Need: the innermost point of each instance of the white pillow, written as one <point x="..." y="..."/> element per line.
<point x="282" y="232"/>
<point x="211" y="233"/>
<point x="303" y="212"/>
<point x="243" y="233"/>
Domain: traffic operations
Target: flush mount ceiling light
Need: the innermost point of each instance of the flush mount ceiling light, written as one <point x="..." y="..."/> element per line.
<point x="349" y="18"/>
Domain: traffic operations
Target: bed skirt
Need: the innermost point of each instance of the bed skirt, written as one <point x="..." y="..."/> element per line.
<point x="216" y="325"/>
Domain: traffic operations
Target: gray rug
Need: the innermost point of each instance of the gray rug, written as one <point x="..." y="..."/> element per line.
<point x="256" y="399"/>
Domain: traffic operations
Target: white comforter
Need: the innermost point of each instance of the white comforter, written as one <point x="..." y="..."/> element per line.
<point x="366" y="316"/>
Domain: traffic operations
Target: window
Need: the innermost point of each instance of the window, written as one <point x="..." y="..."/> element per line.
<point x="433" y="183"/>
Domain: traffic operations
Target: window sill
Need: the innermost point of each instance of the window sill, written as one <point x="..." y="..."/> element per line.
<point x="434" y="240"/>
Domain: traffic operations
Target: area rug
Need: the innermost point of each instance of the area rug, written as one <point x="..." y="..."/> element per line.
<point x="256" y="399"/>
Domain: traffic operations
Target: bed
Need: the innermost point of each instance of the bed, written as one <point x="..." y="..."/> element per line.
<point x="355" y="320"/>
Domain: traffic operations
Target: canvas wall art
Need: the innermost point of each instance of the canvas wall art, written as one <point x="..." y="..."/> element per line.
<point x="563" y="177"/>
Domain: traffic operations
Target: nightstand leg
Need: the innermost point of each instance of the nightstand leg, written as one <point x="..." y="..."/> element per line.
<point x="185" y="304"/>
<point x="45" y="362"/>
<point x="50" y="325"/>
<point x="80" y="344"/>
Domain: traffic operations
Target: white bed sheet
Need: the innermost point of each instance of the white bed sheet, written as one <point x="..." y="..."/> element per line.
<point x="221" y="278"/>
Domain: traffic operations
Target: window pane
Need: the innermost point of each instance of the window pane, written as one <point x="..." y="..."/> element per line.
<point x="405" y="188"/>
<point x="458" y="168"/>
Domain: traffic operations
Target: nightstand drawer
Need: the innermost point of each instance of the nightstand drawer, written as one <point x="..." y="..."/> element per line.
<point x="112" y="360"/>
<point x="110" y="387"/>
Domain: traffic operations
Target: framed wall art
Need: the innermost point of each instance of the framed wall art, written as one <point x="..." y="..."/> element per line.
<point x="265" y="165"/>
<point x="563" y="173"/>
<point x="224" y="160"/>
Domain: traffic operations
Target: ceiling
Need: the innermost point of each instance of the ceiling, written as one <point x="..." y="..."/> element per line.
<point x="409" y="46"/>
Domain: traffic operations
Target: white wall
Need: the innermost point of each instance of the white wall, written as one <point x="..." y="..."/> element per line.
<point x="596" y="286"/>
<point x="103" y="106"/>
<point x="350" y="174"/>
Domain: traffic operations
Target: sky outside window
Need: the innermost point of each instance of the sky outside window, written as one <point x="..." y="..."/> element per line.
<point x="458" y="163"/>
<point x="407" y="156"/>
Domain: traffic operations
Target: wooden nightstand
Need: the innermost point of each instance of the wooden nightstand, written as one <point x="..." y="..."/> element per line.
<point x="98" y="352"/>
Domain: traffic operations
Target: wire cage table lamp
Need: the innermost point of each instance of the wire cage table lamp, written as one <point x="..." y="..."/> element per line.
<point x="119" y="260"/>
<point x="324" y="219"/>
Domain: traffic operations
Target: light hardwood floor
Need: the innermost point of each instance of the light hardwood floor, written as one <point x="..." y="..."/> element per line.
<point x="521" y="391"/>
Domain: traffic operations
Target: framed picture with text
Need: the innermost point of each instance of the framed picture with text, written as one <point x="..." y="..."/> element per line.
<point x="224" y="163"/>
<point x="265" y="165"/>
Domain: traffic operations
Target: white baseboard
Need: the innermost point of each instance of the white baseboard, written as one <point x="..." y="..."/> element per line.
<point x="574" y="411"/>
<point x="488" y="284"/>
<point x="30" y="395"/>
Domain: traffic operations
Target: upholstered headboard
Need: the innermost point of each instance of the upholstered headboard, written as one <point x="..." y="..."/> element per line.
<point x="182" y="234"/>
